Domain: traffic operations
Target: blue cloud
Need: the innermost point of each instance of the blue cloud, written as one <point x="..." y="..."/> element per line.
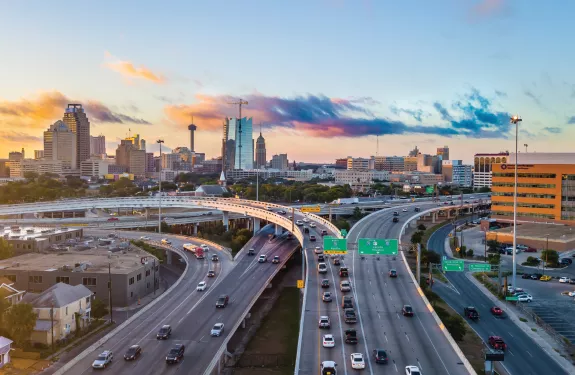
<point x="571" y="121"/>
<point x="417" y="114"/>
<point x="554" y="130"/>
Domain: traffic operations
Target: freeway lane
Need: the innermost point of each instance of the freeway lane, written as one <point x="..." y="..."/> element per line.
<point x="166" y="311"/>
<point x="409" y="341"/>
<point x="525" y="357"/>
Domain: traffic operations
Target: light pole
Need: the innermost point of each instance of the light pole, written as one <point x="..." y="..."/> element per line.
<point x="257" y="185"/>
<point x="546" y="252"/>
<point x="525" y="144"/>
<point x="515" y="120"/>
<point x="160" y="141"/>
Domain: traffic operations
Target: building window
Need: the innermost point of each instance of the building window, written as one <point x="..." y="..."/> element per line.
<point x="524" y="195"/>
<point x="521" y="204"/>
<point x="139" y="277"/>
<point x="525" y="185"/>
<point x="525" y="175"/>
<point x="89" y="281"/>
<point x="11" y="277"/>
<point x="524" y="214"/>
<point x="66" y="310"/>
<point x="147" y="273"/>
<point x="131" y="294"/>
<point x="131" y="281"/>
<point x="148" y="285"/>
<point x="63" y="279"/>
<point x="35" y="279"/>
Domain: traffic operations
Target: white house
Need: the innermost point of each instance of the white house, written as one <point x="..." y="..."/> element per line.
<point x="5" y="347"/>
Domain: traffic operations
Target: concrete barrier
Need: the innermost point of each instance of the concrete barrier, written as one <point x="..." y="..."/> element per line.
<point x="302" y="317"/>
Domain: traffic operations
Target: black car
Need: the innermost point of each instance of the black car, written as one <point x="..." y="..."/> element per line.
<point x="325" y="283"/>
<point x="380" y="356"/>
<point x="395" y="220"/>
<point x="565" y="261"/>
<point x="526" y="276"/>
<point x="133" y="353"/>
<point x="350" y="336"/>
<point x="164" y="332"/>
<point x="536" y="276"/>
<point x="306" y="230"/>
<point x="215" y="258"/>
<point x="347" y="302"/>
<point x="176" y="354"/>
<point x="320" y="258"/>
<point x="416" y="210"/>
<point x="336" y="262"/>
<point x="222" y="301"/>
<point x="324" y="232"/>
<point x="407" y="310"/>
<point x="471" y="313"/>
<point x="395" y="213"/>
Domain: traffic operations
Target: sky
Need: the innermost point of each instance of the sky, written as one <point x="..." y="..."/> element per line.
<point x="323" y="78"/>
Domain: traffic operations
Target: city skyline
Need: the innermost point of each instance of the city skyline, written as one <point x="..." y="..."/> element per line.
<point x="439" y="87"/>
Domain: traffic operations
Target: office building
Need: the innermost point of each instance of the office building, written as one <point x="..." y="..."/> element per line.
<point x="123" y="152"/>
<point x="303" y="175"/>
<point x="341" y="163"/>
<point x="4" y="168"/>
<point x="410" y="163"/>
<point x="457" y="173"/>
<point x="60" y="143"/>
<point x="95" y="167"/>
<point x="38" y="154"/>
<point x="98" y="145"/>
<point x="139" y="144"/>
<point x="77" y="121"/>
<point x="359" y="180"/>
<point x="137" y="165"/>
<point x="171" y="161"/>
<point x="238" y="143"/>
<point x="546" y="188"/>
<point x="360" y="164"/>
<point x="211" y="166"/>
<point x="16" y="155"/>
<point x="261" y="160"/>
<point x="425" y="163"/>
<point x="115" y="169"/>
<point x="443" y="152"/>
<point x="150" y="166"/>
<point x="279" y="162"/>
<point x="482" y="167"/>
<point x="389" y="163"/>
<point x="19" y="168"/>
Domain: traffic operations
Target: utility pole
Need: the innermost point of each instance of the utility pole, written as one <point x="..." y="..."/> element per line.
<point x="154" y="262"/>
<point x="418" y="271"/>
<point x="160" y="141"/>
<point x="515" y="120"/>
<point x="52" y="322"/>
<point x="240" y="130"/>
<point x="110" y="291"/>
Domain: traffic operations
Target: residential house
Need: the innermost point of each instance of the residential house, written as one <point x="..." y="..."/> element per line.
<point x="5" y="347"/>
<point x="8" y="292"/>
<point x="56" y="308"/>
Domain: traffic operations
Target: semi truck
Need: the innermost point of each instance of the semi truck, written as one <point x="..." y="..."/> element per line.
<point x="197" y="251"/>
<point x="346" y="201"/>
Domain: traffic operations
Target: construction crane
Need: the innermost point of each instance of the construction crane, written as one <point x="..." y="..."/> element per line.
<point x="240" y="103"/>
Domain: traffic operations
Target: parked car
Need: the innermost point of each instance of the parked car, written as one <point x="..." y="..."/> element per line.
<point x="536" y="276"/>
<point x="564" y="280"/>
<point x="526" y="276"/>
<point x="545" y="278"/>
<point x="525" y="298"/>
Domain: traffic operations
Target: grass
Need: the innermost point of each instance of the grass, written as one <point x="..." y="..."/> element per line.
<point x="158" y="253"/>
<point x="438" y="274"/>
<point x="534" y="329"/>
<point x="523" y="320"/>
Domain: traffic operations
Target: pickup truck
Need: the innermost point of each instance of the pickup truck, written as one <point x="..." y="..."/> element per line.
<point x="470" y="313"/>
<point x="349" y="316"/>
<point x="350" y="336"/>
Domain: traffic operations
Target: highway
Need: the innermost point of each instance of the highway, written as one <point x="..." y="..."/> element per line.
<point x="524" y="356"/>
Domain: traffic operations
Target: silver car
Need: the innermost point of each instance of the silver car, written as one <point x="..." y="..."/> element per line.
<point x="217" y="330"/>
<point x="103" y="360"/>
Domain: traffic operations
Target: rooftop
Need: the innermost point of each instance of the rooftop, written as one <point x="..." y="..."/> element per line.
<point x="29" y="232"/>
<point x="543" y="158"/>
<point x="58" y="295"/>
<point x="88" y="261"/>
<point x="561" y="233"/>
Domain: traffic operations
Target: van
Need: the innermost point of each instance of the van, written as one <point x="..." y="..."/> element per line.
<point x="322" y="268"/>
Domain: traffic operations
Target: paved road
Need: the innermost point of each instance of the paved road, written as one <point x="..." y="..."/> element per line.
<point x="524" y="357"/>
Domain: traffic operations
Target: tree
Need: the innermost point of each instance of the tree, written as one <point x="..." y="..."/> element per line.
<point x="99" y="309"/>
<point x="550" y="257"/>
<point x="421" y="227"/>
<point x="21" y="320"/>
<point x="456" y="327"/>
<point x="357" y="214"/>
<point x="494" y="259"/>
<point x="6" y="250"/>
<point x="417" y="237"/>
<point x="433" y="257"/>
<point x="492" y="246"/>
<point x="485" y="189"/>
<point x="4" y="304"/>
<point x="342" y="224"/>
<point x="469" y="253"/>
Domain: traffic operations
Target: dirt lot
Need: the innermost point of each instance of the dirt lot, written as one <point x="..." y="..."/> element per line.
<point x="275" y="343"/>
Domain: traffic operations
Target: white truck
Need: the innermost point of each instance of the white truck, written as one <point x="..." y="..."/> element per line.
<point x="346" y="201"/>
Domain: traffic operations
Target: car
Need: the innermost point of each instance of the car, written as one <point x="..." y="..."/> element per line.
<point x="104" y="359"/>
<point x="392" y="273"/>
<point x="326" y="297"/>
<point x="343" y="272"/>
<point x="395" y="220"/>
<point x="252" y="252"/>
<point x="133" y="353"/>
<point x="164" y="333"/>
<point x="113" y="219"/>
<point x="269" y="208"/>
<point x="217" y="330"/>
<point x="325" y="283"/>
<point x="328" y="368"/>
<point x="525" y="298"/>
<point x="536" y="276"/>
<point x="322" y="268"/>
<point x="323" y="232"/>
<point x="165" y="241"/>
<point x="320" y="258"/>
<point x="380" y="356"/>
<point x="417" y="209"/>
<point x="571" y="281"/>
<point x="497" y="343"/>
<point x="412" y="370"/>
<point x="145" y="238"/>
<point x="349" y="315"/>
<point x="263" y="258"/>
<point x="312" y="225"/>
<point x="306" y="230"/>
<point x="318" y="250"/>
<point x="357" y="361"/>
<point x="202" y="286"/>
<point x="328" y="341"/>
<point x="395" y="213"/>
<point x="324" y="322"/>
<point x="545" y="278"/>
<point x="347" y="302"/>
<point x="526" y="276"/>
<point x="205" y="247"/>
<point x="345" y="286"/>
<point x="176" y="354"/>
<point x="336" y="261"/>
<point x="305" y="220"/>
<point x="407" y="310"/>
<point x="571" y="294"/>
<point x="530" y="249"/>
<point x="299" y="223"/>
<point x="495" y="310"/>
<point x="404" y="210"/>
<point x="564" y="280"/>
<point x="290" y="217"/>
<point x="276" y="259"/>
<point x="470" y="313"/>
<point x="565" y="261"/>
<point x="350" y="336"/>
<point x="312" y="238"/>
<point x="215" y="258"/>
<point x="222" y="301"/>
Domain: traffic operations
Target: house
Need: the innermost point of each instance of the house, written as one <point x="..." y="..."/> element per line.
<point x="57" y="308"/>
<point x="5" y="347"/>
<point x="211" y="190"/>
<point x="8" y="292"/>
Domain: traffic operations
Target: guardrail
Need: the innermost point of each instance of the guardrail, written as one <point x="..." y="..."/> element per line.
<point x="302" y="316"/>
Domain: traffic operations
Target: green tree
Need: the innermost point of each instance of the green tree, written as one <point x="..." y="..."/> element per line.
<point x="357" y="214"/>
<point x="421" y="227"/>
<point x="20" y="320"/>
<point x="433" y="257"/>
<point x="485" y="189"/>
<point x="456" y="327"/>
<point x="342" y="224"/>
<point x="4" y="305"/>
<point x="492" y="246"/>
<point x="469" y="253"/>
<point x="494" y="259"/>
<point x="99" y="309"/>
<point x="550" y="257"/>
<point x="6" y="250"/>
<point x="417" y="237"/>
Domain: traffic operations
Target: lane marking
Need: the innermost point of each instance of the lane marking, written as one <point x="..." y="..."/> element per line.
<point x="359" y="315"/>
<point x="529" y="354"/>
<point x="339" y="319"/>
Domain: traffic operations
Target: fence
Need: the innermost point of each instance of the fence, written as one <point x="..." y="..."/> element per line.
<point x="266" y="360"/>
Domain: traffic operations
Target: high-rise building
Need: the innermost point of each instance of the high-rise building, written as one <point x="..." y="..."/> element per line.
<point x="443" y="152"/>
<point x="457" y="173"/>
<point x="138" y="162"/>
<point x="150" y="166"/>
<point x="482" y="167"/>
<point x="98" y="145"/>
<point x="16" y="155"/>
<point x="77" y="121"/>
<point x="410" y="163"/>
<point x="390" y="163"/>
<point x="95" y="167"/>
<point x="261" y="152"/>
<point x="123" y="152"/>
<point x="18" y="168"/>
<point x="280" y="162"/>
<point x="341" y="163"/>
<point x="38" y="154"/>
<point x="60" y="143"/>
<point x="238" y="143"/>
<point x="425" y="163"/>
<point x="360" y="164"/>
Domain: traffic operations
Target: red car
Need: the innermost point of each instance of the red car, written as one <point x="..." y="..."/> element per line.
<point x="530" y="250"/>
<point x="113" y="219"/>
<point x="497" y="342"/>
<point x="407" y="310"/>
<point x="496" y="311"/>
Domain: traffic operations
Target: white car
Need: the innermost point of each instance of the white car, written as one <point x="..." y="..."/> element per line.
<point x="328" y="341"/>
<point x="412" y="370"/>
<point x="524" y="298"/>
<point x="299" y="223"/>
<point x="145" y="238"/>
<point x="312" y="225"/>
<point x="318" y="250"/>
<point x="305" y="220"/>
<point x="217" y="330"/>
<point x="357" y="361"/>
<point x="202" y="286"/>
<point x="263" y="258"/>
<point x="572" y="294"/>
<point x="404" y="210"/>
<point x="205" y="247"/>
<point x="564" y="280"/>
<point x="103" y="359"/>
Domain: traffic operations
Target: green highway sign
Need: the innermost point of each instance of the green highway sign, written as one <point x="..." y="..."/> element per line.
<point x="453" y="265"/>
<point x="481" y="267"/>
<point x="377" y="246"/>
<point x="512" y="298"/>
<point x="429" y="189"/>
<point x="332" y="245"/>
<point x="343" y="233"/>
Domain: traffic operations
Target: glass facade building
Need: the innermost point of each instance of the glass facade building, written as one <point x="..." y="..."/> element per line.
<point x="239" y="143"/>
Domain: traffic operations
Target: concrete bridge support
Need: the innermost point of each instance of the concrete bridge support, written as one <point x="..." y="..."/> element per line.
<point x="168" y="257"/>
<point x="256" y="224"/>
<point x="226" y="219"/>
<point x="433" y="218"/>
<point x="196" y="225"/>
<point x="278" y="230"/>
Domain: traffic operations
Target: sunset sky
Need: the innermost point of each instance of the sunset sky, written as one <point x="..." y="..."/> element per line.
<point x="323" y="77"/>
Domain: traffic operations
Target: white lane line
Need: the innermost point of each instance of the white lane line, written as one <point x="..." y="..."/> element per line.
<point x="339" y="318"/>
<point x="420" y="366"/>
<point x="407" y="337"/>
<point x="359" y="315"/>
<point x="379" y="316"/>
<point x="396" y="370"/>
<point x="390" y="297"/>
<point x="384" y="335"/>
<point x="529" y="354"/>
<point x="510" y="334"/>
<point x="510" y="352"/>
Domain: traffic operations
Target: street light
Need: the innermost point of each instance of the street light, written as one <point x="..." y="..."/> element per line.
<point x="160" y="141"/>
<point x="515" y="120"/>
<point x="546" y="252"/>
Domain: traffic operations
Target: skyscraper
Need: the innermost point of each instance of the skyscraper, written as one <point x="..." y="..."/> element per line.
<point x="280" y="162"/>
<point x="260" y="152"/>
<point x="77" y="121"/>
<point x="238" y="144"/>
<point x="443" y="152"/>
<point x="98" y="145"/>
<point x="60" y="143"/>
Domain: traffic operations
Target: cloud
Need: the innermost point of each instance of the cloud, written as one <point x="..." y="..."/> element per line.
<point x="18" y="137"/>
<point x="488" y="8"/>
<point x="571" y="120"/>
<point x="536" y="99"/>
<point x="321" y="116"/>
<point x="128" y="70"/>
<point x="554" y="130"/>
<point x="42" y="109"/>
<point x="500" y="94"/>
<point x="417" y="114"/>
